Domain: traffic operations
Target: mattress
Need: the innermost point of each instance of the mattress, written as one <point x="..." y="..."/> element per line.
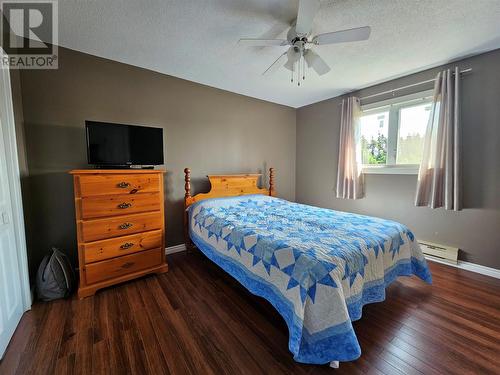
<point x="316" y="266"/>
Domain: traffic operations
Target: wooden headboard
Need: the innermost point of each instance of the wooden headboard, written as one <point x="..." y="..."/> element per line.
<point x="231" y="185"/>
<point x="224" y="186"/>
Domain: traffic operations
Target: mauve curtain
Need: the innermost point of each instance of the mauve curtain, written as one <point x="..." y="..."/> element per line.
<point x="349" y="177"/>
<point x="439" y="176"/>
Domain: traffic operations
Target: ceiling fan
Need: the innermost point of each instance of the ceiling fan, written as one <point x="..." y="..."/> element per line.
<point x="299" y="39"/>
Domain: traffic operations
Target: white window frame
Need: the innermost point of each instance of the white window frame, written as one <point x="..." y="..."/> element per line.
<point x="394" y="105"/>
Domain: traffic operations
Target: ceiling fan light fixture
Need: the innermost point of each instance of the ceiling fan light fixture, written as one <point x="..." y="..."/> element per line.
<point x="293" y="54"/>
<point x="310" y="58"/>
<point x="289" y="65"/>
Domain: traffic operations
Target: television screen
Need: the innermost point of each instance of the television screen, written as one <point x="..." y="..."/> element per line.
<point x="122" y="145"/>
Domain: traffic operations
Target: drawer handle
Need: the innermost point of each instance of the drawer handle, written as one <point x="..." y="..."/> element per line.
<point x="127" y="265"/>
<point x="125" y="225"/>
<point x="126" y="245"/>
<point x="123" y="185"/>
<point x="124" y="205"/>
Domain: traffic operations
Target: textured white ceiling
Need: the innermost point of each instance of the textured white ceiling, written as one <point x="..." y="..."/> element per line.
<point x="196" y="39"/>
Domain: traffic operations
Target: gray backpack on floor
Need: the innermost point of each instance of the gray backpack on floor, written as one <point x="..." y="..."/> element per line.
<point x="55" y="278"/>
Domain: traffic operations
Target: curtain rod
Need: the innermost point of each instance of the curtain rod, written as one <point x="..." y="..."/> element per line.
<point x="408" y="86"/>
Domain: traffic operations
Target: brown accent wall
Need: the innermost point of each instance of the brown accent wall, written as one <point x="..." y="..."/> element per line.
<point x="476" y="229"/>
<point x="206" y="129"/>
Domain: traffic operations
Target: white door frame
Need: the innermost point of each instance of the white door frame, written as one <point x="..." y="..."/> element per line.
<point x="9" y="134"/>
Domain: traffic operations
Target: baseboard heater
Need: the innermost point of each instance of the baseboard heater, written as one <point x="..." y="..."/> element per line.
<point x="439" y="252"/>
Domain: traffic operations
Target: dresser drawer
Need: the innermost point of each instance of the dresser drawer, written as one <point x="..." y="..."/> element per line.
<point x="112" y="205"/>
<point x="99" y="229"/>
<point x="106" y="249"/>
<point x="104" y="184"/>
<point x="112" y="268"/>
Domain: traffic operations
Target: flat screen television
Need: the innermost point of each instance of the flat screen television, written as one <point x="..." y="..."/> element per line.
<point x="121" y="146"/>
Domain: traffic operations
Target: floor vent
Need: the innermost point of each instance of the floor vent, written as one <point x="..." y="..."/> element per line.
<point x="440" y="252"/>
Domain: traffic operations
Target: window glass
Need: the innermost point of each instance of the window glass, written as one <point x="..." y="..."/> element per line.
<point x="412" y="125"/>
<point x="374" y="130"/>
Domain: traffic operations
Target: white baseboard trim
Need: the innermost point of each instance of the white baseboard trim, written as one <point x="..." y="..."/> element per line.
<point x="473" y="267"/>
<point x="175" y="249"/>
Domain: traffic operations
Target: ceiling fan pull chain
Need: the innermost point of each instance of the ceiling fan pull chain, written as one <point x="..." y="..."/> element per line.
<point x="303" y="68"/>
<point x="298" y="73"/>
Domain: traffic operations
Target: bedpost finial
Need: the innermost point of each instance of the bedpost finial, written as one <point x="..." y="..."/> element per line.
<point x="187" y="196"/>
<point x="187" y="185"/>
<point x="271" y="182"/>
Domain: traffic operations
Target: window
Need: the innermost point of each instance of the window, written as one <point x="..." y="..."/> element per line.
<point x="391" y="134"/>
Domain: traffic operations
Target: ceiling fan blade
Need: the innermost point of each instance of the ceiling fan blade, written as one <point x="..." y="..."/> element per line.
<point x="255" y="42"/>
<point x="314" y="61"/>
<point x="278" y="63"/>
<point x="350" y="35"/>
<point x="305" y="16"/>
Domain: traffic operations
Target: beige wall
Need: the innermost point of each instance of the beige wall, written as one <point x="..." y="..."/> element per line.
<point x="206" y="129"/>
<point x="476" y="229"/>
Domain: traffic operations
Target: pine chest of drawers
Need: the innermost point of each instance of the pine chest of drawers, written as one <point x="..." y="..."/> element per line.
<point x="120" y="226"/>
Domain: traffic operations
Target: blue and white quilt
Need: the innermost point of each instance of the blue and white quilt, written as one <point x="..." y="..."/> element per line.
<point x="316" y="266"/>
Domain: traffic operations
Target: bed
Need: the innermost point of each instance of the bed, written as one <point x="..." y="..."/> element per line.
<point x="316" y="266"/>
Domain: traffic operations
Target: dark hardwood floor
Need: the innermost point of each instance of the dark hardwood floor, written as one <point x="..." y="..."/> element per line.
<point x="196" y="319"/>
